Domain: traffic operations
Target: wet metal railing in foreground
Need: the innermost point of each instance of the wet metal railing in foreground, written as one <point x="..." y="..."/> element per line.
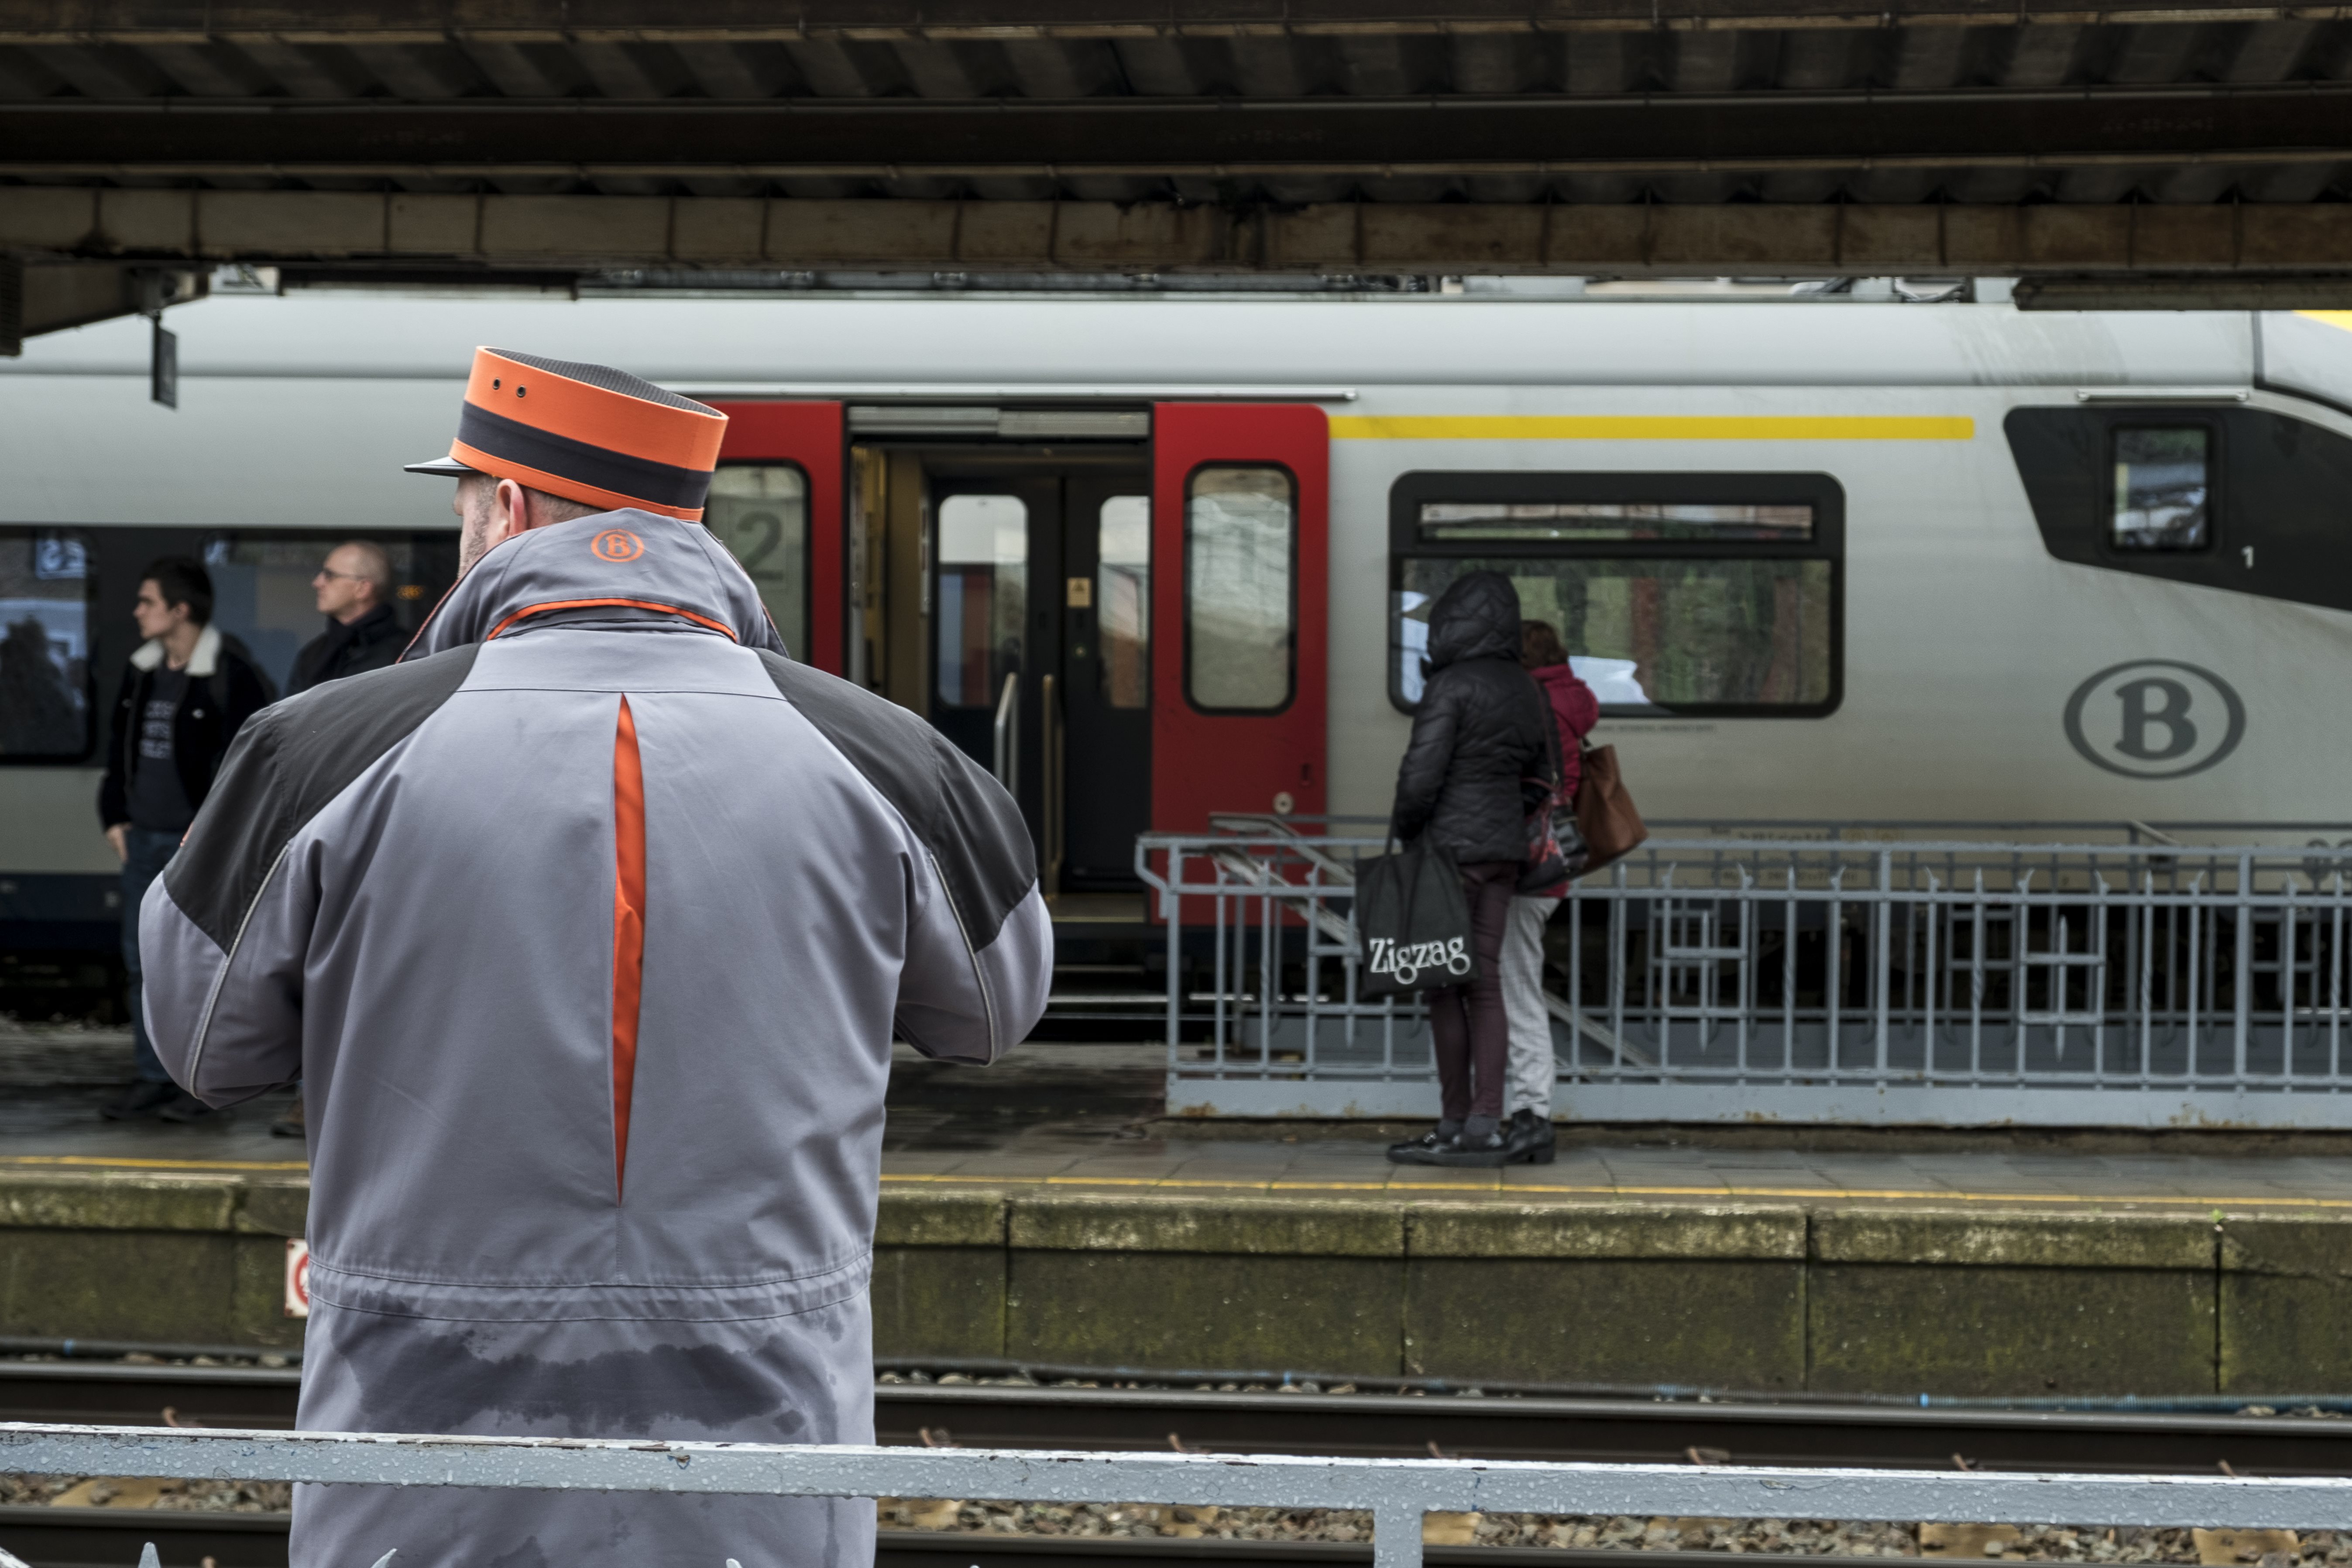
<point x="2142" y="984"/>
<point x="1396" y="1492"/>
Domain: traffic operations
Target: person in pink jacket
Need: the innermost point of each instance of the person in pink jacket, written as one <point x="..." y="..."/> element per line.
<point x="1527" y="1133"/>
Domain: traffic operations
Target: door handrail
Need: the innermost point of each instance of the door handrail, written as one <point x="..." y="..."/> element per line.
<point x="1050" y="786"/>
<point x="1008" y="737"/>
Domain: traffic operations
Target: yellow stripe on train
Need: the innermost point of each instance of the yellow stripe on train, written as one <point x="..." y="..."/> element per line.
<point x="1650" y="427"/>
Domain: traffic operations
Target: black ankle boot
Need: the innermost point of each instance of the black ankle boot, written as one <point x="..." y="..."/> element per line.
<point x="1529" y="1139"/>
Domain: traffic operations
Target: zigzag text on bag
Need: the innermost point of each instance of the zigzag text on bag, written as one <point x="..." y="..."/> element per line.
<point x="1406" y="962"/>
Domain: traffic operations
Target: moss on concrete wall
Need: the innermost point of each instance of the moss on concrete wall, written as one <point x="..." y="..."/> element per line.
<point x="1831" y="1297"/>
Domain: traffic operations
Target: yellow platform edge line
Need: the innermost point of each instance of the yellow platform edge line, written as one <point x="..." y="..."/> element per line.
<point x="1651" y="427"/>
<point x="133" y="1162"/>
<point x="1472" y="1184"/>
<point x="1496" y="1184"/>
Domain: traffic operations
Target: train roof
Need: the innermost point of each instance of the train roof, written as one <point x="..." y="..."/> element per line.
<point x="1321" y="347"/>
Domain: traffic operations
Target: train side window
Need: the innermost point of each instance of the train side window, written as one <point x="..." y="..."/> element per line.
<point x="46" y="701"/>
<point x="1682" y="594"/>
<point x="263" y="597"/>
<point x="983" y="564"/>
<point x="2163" y="485"/>
<point x="1240" y="604"/>
<point x="759" y="512"/>
<point x="1123" y="599"/>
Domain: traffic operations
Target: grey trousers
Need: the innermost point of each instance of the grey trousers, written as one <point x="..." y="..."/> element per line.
<point x="1532" y="1070"/>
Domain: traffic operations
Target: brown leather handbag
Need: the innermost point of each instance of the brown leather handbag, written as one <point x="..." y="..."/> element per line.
<point x="1605" y="813"/>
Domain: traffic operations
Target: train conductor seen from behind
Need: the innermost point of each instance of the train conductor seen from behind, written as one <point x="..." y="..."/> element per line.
<point x="587" y="927"/>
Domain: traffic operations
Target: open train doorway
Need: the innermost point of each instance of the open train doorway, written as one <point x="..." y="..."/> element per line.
<point x="1042" y="653"/>
<point x="1003" y="592"/>
<point x="1120" y="611"/>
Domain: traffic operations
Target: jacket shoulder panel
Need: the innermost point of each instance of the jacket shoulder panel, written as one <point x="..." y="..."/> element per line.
<point x="284" y="767"/>
<point x="962" y="815"/>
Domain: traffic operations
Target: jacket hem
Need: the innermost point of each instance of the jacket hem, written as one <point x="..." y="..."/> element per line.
<point x="596" y="1301"/>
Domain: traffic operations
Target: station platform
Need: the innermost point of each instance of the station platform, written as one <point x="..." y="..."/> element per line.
<point x="1043" y="1212"/>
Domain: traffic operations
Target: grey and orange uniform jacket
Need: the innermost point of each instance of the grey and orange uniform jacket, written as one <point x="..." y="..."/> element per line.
<point x="587" y="928"/>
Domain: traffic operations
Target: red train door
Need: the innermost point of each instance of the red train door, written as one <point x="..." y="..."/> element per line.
<point x="776" y="502"/>
<point x="1240" y="593"/>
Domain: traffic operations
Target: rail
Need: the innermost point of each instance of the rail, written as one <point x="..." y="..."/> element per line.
<point x="1004" y="734"/>
<point x="1397" y="1492"/>
<point x="2143" y="984"/>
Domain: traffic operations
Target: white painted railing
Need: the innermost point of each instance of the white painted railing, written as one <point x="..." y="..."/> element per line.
<point x="2143" y="984"/>
<point x="1397" y="1492"/>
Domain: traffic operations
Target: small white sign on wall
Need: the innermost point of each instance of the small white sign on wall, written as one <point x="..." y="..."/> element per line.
<point x="298" y="1277"/>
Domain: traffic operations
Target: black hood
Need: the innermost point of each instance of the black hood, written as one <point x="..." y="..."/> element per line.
<point x="1477" y="617"/>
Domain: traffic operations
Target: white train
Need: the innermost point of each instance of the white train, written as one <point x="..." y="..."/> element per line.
<point x="1826" y="559"/>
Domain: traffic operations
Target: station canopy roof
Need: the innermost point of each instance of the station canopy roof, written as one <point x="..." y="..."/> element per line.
<point x="2194" y="149"/>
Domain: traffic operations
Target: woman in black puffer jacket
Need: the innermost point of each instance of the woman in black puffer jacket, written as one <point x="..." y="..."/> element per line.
<point x="1481" y="728"/>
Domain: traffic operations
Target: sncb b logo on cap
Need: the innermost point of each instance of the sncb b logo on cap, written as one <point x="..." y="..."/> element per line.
<point x="617" y="544"/>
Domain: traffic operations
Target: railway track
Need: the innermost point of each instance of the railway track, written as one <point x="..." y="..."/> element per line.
<point x="994" y="1416"/>
<point x="94" y="1538"/>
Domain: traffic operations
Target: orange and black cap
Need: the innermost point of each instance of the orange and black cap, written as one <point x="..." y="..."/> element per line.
<point x="585" y="432"/>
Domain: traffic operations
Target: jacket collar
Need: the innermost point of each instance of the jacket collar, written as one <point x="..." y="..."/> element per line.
<point x="202" y="663"/>
<point x="368" y="627"/>
<point x="624" y="565"/>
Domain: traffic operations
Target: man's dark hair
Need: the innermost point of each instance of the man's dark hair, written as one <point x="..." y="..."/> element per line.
<point x="1539" y="645"/>
<point x="183" y="580"/>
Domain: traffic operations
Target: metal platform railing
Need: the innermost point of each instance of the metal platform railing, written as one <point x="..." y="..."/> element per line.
<point x="1950" y="983"/>
<point x="1396" y="1492"/>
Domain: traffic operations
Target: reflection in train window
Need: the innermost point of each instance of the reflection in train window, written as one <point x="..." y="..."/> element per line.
<point x="1530" y="523"/>
<point x="984" y="560"/>
<point x="262" y="593"/>
<point x="1240" y="546"/>
<point x="1686" y="593"/>
<point x="760" y="512"/>
<point x="2162" y="488"/>
<point x="1123" y="599"/>
<point x="1648" y="634"/>
<point x="46" y="697"/>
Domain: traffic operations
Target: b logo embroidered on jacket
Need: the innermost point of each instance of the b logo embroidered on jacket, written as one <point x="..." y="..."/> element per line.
<point x="617" y="544"/>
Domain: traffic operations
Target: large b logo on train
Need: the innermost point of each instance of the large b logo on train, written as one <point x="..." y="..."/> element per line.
<point x="2154" y="718"/>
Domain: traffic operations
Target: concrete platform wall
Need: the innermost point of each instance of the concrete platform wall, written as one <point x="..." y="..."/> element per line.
<point x="1830" y="1297"/>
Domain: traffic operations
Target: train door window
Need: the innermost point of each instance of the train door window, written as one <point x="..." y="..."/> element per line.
<point x="1123" y="599"/>
<point x="263" y="592"/>
<point x="1241" y="539"/>
<point x="983" y="592"/>
<point x="2163" y="486"/>
<point x="46" y="700"/>
<point x="759" y="512"/>
<point x="1695" y="593"/>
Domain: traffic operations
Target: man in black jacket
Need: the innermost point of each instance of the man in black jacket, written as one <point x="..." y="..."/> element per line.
<point x="185" y="693"/>
<point x="1482" y="727"/>
<point x="353" y="590"/>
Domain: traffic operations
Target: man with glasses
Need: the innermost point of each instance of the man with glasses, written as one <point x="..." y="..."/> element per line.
<point x="353" y="590"/>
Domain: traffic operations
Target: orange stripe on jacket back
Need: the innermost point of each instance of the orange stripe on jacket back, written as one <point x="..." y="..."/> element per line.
<point x="628" y="927"/>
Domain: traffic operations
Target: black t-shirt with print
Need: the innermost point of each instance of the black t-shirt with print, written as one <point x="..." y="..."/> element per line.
<point x="158" y="802"/>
